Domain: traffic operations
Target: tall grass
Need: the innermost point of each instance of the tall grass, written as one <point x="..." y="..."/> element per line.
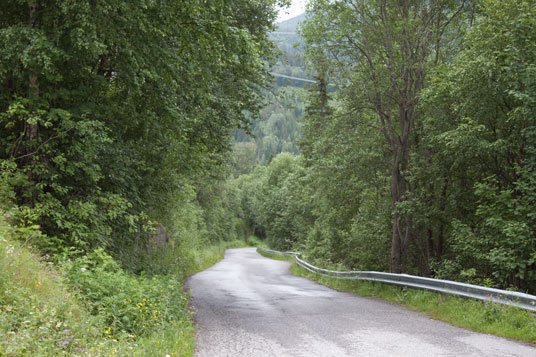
<point x="90" y="306"/>
<point x="205" y="257"/>
<point x="39" y="315"/>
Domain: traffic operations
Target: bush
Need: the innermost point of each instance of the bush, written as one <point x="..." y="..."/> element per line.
<point x="129" y="304"/>
<point x="38" y="314"/>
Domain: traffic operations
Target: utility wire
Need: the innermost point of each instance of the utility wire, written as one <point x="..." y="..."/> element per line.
<point x="291" y="77"/>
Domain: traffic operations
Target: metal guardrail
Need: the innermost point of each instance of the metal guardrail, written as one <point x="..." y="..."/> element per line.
<point x="513" y="298"/>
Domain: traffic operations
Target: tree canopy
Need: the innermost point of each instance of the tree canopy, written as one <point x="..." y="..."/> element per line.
<point x="112" y="112"/>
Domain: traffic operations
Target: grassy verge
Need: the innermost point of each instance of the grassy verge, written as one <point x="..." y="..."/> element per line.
<point x="474" y="315"/>
<point x="90" y="306"/>
<point x="203" y="258"/>
<point x="288" y="258"/>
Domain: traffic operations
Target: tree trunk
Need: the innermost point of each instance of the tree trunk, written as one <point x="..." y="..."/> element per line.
<point x="33" y="87"/>
<point x="245" y="230"/>
<point x="397" y="190"/>
<point x="399" y="164"/>
<point x="31" y="129"/>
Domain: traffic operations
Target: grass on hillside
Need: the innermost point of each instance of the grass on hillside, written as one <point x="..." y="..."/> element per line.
<point x="475" y="315"/>
<point x="43" y="311"/>
<point x="39" y="315"/>
<point x="91" y="306"/>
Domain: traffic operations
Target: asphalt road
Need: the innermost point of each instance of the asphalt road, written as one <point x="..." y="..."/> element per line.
<point x="248" y="305"/>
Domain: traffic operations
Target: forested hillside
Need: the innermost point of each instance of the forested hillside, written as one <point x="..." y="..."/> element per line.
<point x="424" y="160"/>
<point x="278" y="127"/>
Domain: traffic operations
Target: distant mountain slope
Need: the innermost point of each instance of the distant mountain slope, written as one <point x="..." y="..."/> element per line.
<point x="290" y="25"/>
<point x="279" y="127"/>
<point x="289" y="42"/>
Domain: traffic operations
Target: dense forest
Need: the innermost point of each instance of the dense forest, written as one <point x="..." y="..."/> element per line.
<point x="423" y="160"/>
<point x="116" y="120"/>
<point x="135" y="135"/>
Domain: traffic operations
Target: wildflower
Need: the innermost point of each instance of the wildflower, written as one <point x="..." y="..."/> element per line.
<point x="63" y="342"/>
<point x="37" y="283"/>
<point x="83" y="269"/>
<point x="7" y="215"/>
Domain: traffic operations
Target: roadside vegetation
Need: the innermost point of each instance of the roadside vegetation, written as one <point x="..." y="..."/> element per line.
<point x="89" y="305"/>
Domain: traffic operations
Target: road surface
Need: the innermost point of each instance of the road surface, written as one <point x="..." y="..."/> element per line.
<point x="248" y="305"/>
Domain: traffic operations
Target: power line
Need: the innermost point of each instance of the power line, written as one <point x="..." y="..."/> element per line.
<point x="291" y="77"/>
<point x="283" y="33"/>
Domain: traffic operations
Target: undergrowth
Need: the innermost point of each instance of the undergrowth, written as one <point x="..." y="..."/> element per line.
<point x="475" y="315"/>
<point x="90" y="305"/>
<point x="87" y="306"/>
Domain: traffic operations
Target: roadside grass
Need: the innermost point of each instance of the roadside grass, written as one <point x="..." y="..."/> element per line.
<point x="475" y="315"/>
<point x="288" y="258"/>
<point x="203" y="258"/>
<point x="90" y="306"/>
<point x="254" y="241"/>
<point x="39" y="315"/>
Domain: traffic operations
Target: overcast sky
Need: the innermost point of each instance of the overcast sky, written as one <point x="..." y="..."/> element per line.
<point x="297" y="7"/>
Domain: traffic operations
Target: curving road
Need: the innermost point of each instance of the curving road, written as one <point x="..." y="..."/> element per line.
<point x="248" y="305"/>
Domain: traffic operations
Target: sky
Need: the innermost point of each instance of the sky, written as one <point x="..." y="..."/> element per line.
<point x="297" y="7"/>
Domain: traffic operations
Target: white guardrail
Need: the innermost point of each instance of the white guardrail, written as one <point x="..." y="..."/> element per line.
<point x="513" y="298"/>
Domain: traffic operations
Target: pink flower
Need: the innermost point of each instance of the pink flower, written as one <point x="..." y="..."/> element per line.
<point x="83" y="269"/>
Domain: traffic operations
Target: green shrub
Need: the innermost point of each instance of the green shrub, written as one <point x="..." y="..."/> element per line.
<point x="38" y="314"/>
<point x="128" y="303"/>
